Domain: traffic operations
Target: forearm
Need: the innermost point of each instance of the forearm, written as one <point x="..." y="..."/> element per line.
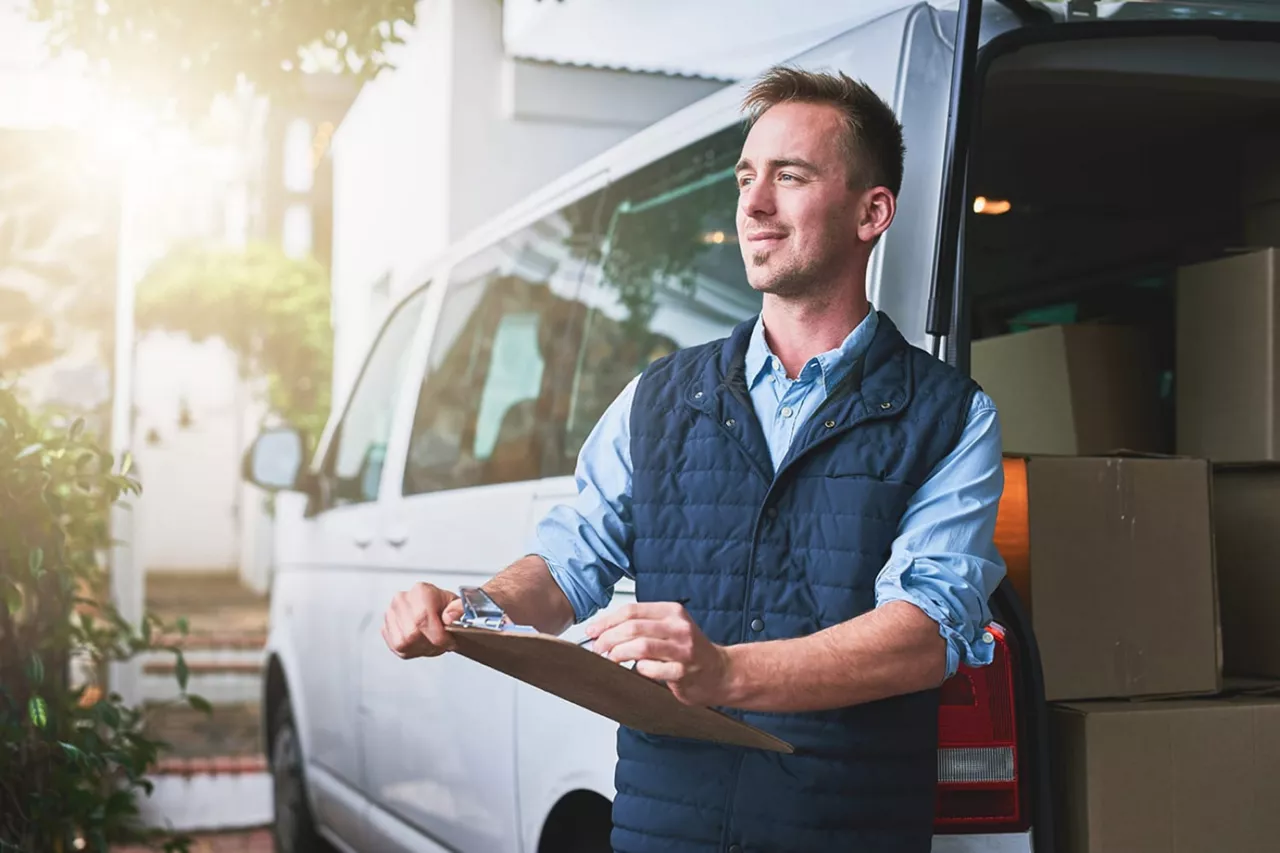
<point x="530" y="596"/>
<point x="889" y="651"/>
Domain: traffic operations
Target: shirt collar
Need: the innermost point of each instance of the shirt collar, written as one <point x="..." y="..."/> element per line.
<point x="831" y="365"/>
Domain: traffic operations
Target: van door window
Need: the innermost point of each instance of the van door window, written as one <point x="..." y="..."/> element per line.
<point x="353" y="467"/>
<point x="671" y="275"/>
<point x="492" y="400"/>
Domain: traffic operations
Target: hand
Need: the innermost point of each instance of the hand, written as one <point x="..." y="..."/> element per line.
<point x="668" y="646"/>
<point x="413" y="626"/>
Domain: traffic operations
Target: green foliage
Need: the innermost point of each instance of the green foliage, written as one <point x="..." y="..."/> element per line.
<point x="186" y="51"/>
<point x="72" y="757"/>
<point x="270" y="309"/>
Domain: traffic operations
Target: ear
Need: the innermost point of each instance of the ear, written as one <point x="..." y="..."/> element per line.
<point x="875" y="213"/>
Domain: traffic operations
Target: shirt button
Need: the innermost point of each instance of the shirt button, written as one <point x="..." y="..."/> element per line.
<point x="772" y="512"/>
<point x="757" y="624"/>
<point x="787" y="411"/>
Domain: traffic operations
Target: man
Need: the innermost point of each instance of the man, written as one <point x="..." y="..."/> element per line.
<point x="807" y="508"/>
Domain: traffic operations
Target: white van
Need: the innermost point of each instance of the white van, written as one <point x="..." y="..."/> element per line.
<point x="1118" y="133"/>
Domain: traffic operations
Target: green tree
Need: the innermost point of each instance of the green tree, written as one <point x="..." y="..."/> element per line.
<point x="270" y="309"/>
<point x="186" y="51"/>
<point x="73" y="756"/>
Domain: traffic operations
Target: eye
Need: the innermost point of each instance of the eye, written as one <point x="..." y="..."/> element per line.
<point x="787" y="176"/>
<point x="743" y="180"/>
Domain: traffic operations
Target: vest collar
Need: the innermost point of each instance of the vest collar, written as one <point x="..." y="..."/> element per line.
<point x="879" y="385"/>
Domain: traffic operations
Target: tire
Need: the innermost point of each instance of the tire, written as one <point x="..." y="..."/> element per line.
<point x="293" y="829"/>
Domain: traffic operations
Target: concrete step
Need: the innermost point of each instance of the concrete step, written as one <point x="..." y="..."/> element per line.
<point x="219" y="793"/>
<point x="213" y="775"/>
<point x="233" y="730"/>
<point x="220" y="674"/>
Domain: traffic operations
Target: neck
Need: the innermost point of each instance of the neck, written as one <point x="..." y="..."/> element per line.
<point x="798" y="329"/>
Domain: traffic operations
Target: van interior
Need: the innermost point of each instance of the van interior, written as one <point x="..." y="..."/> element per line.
<point x="1100" y="167"/>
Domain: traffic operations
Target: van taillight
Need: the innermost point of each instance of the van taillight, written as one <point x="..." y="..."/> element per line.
<point x="978" y="783"/>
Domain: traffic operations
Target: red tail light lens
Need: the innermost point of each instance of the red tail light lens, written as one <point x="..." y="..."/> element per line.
<point x="978" y="781"/>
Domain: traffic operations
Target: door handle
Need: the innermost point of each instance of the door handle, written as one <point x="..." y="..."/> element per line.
<point x="363" y="540"/>
<point x="397" y="538"/>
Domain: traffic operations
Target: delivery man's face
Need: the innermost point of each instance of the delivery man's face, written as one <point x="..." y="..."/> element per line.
<point x="800" y="218"/>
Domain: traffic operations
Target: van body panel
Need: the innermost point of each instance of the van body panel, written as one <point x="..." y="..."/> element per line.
<point x="342" y="806"/>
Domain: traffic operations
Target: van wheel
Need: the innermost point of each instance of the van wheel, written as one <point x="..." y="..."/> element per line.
<point x="580" y="823"/>
<point x="294" y="830"/>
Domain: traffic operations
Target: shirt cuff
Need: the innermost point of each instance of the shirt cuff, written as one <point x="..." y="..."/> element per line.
<point x="584" y="604"/>
<point x="967" y="642"/>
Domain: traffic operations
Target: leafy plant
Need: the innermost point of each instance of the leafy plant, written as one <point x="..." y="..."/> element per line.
<point x="73" y="756"/>
<point x="270" y="309"/>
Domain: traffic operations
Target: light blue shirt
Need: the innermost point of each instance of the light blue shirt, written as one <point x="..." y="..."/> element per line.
<point x="943" y="559"/>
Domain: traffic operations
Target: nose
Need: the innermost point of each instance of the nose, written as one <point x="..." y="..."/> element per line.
<point x="757" y="199"/>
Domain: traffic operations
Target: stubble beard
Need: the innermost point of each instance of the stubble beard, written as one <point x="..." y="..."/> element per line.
<point x="791" y="280"/>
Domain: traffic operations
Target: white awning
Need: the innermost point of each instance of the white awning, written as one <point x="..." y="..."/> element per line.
<point x="724" y="39"/>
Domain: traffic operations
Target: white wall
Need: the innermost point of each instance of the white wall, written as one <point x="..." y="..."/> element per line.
<point x="451" y="138"/>
<point x="390" y="180"/>
<point x="191" y="476"/>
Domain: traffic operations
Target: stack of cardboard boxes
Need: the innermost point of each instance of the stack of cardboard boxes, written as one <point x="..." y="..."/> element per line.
<point x="1154" y="581"/>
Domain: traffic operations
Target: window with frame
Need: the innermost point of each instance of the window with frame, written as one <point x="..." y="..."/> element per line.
<point x="492" y="402"/>
<point x="671" y="275"/>
<point x="353" y="466"/>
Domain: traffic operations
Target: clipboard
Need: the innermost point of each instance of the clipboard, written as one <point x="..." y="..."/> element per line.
<point x="576" y="674"/>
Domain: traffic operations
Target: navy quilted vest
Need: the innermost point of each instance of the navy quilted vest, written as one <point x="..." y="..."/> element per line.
<point x="765" y="557"/>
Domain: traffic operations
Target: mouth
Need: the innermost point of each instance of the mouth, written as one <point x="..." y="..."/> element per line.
<point x="765" y="238"/>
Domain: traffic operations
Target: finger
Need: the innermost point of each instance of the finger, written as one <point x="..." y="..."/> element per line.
<point x="660" y="670"/>
<point x="648" y="648"/>
<point x="395" y="638"/>
<point x="402" y="617"/>
<point x="626" y="613"/>
<point x="634" y="629"/>
<point x="453" y="612"/>
<point x="386" y="638"/>
<point x="426" y="621"/>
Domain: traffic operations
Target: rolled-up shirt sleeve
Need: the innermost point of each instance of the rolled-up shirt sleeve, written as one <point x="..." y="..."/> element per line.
<point x="944" y="559"/>
<point x="586" y="542"/>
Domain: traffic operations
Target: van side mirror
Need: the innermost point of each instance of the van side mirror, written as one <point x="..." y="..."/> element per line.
<point x="274" y="461"/>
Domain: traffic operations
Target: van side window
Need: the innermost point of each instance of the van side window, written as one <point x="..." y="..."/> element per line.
<point x="671" y="276"/>
<point x="353" y="467"/>
<point x="493" y="398"/>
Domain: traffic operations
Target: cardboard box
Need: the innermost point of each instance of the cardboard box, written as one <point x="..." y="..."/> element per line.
<point x="1228" y="359"/>
<point x="1199" y="776"/>
<point x="1123" y="590"/>
<point x="1072" y="390"/>
<point x="1246" y="518"/>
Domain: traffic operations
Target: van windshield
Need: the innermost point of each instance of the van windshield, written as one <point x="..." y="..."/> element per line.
<point x="1163" y="10"/>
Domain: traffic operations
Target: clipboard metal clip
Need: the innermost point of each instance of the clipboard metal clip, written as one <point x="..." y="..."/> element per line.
<point x="481" y="611"/>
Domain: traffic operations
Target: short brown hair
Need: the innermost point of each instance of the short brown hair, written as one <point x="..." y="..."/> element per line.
<point x="873" y="138"/>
